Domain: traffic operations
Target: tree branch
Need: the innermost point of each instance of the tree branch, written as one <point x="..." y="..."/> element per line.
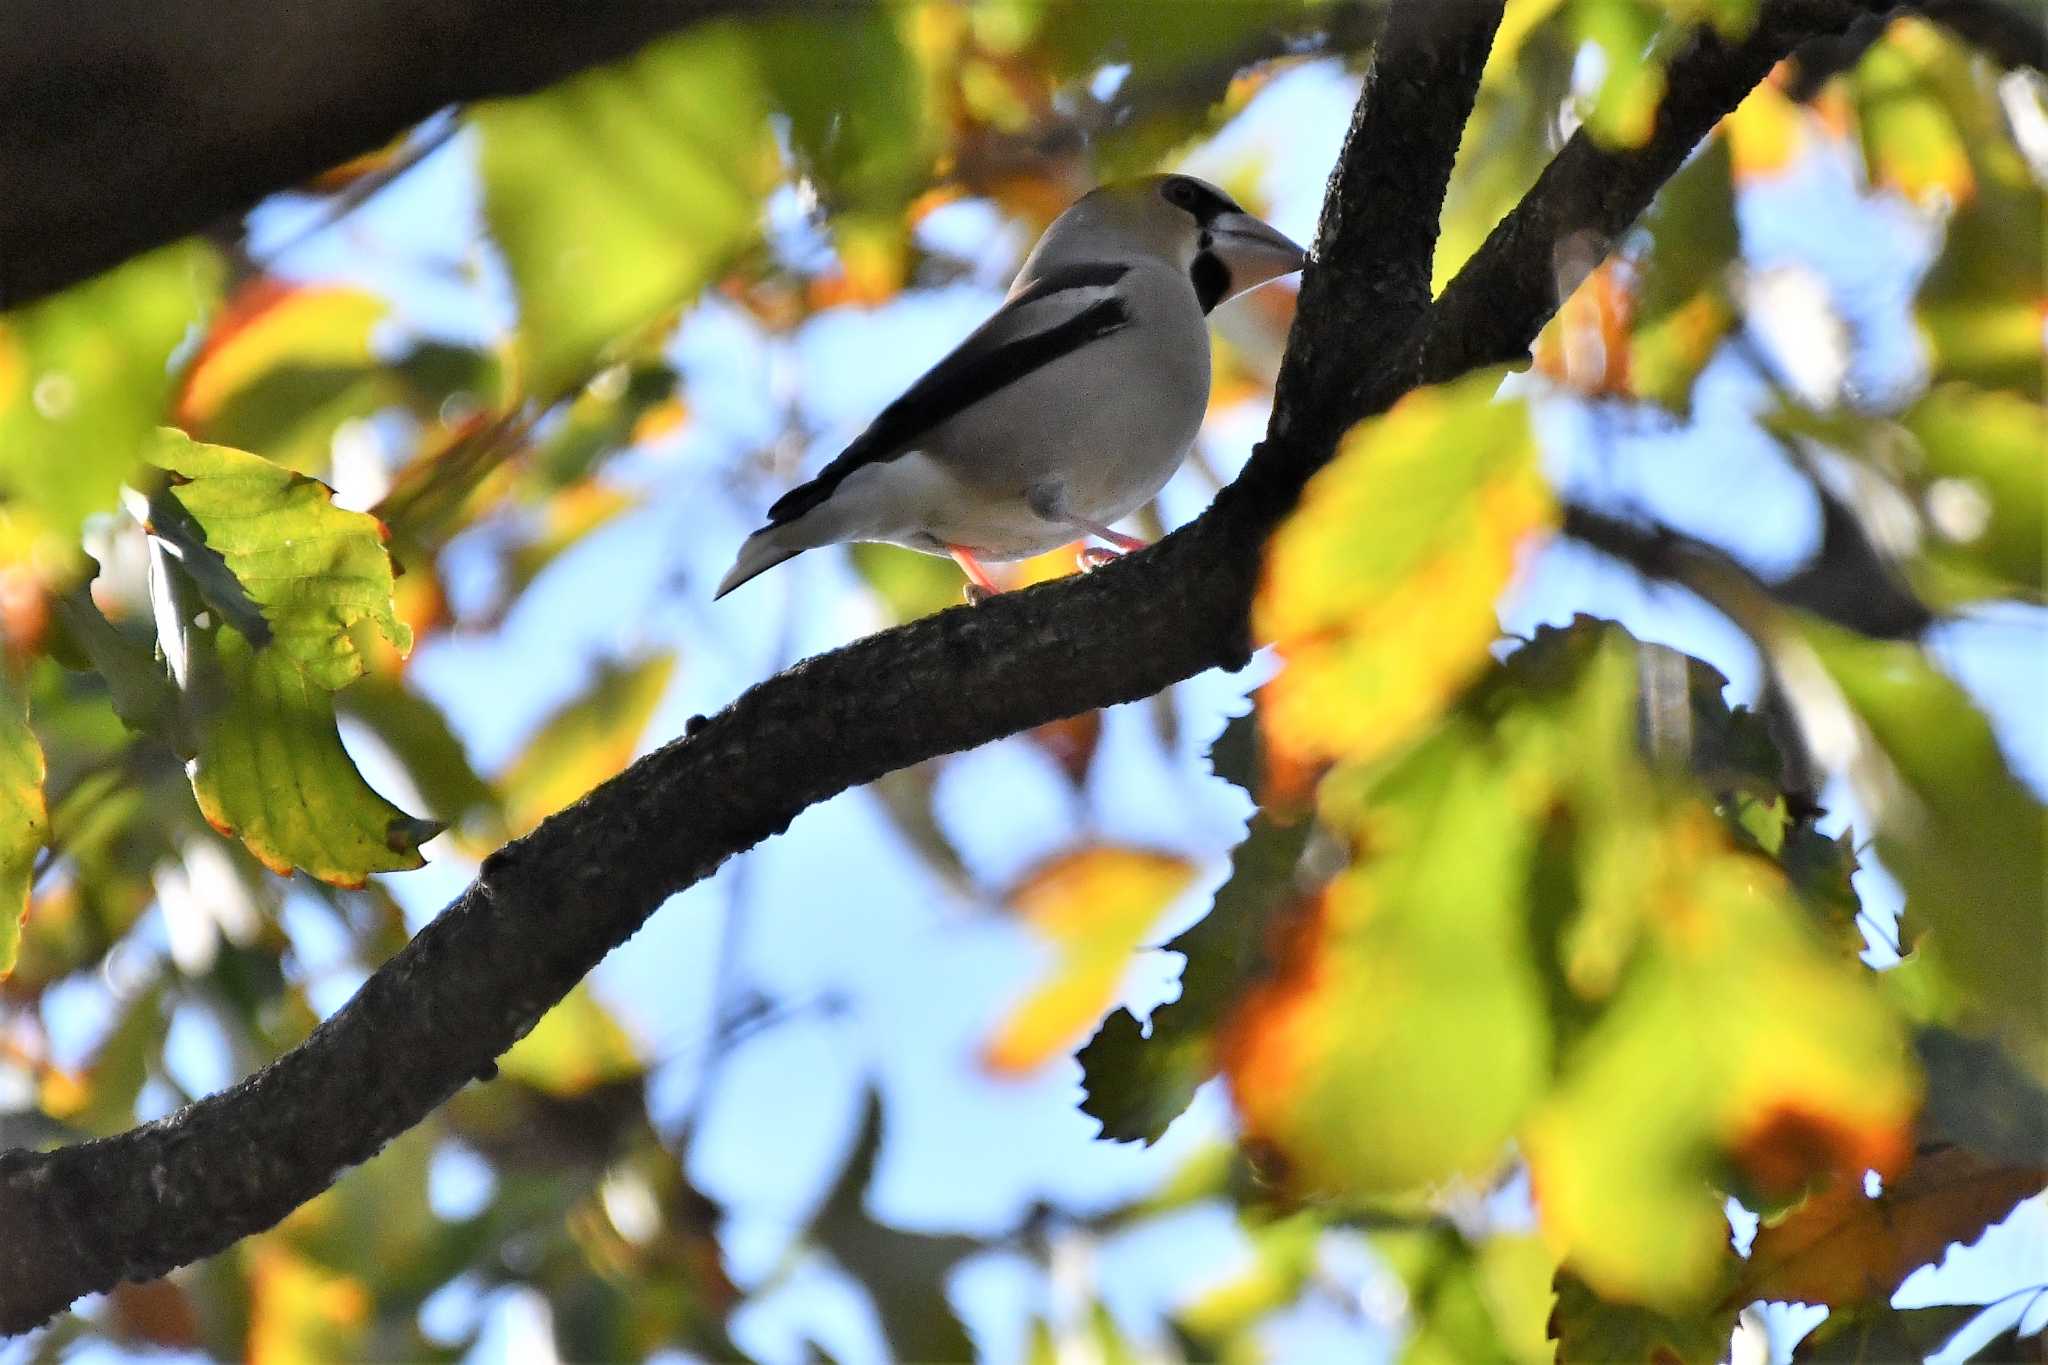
<point x="125" y="126"/>
<point x="545" y="909"/>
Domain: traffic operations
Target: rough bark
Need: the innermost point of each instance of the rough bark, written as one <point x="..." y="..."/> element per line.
<point x="545" y="909"/>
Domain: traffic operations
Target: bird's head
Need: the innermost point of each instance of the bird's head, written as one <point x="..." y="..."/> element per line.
<point x="1189" y="223"/>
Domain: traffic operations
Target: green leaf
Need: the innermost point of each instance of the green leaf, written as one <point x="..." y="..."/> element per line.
<point x="420" y="736"/>
<point x="1137" y="1083"/>
<point x="271" y="771"/>
<point x="1591" y="1331"/>
<point x="1467" y="1301"/>
<point x="867" y="141"/>
<point x="84" y="377"/>
<point x="1979" y="1099"/>
<point x="1406" y="1032"/>
<point x="1379" y="590"/>
<point x="1624" y="108"/>
<point x="319" y="577"/>
<point x="618" y="194"/>
<point x="1508" y="139"/>
<point x="1910" y="138"/>
<point x="585" y="741"/>
<point x="1682" y="308"/>
<point x="24" y="818"/>
<point x="576" y="1046"/>
<point x="1983" y="482"/>
<point x="284" y="366"/>
<point x="1693" y="232"/>
<point x="1283" y="1258"/>
<point x="1963" y="835"/>
<point x="1879" y="1334"/>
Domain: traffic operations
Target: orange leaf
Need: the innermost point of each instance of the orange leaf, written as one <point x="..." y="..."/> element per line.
<point x="1841" y="1248"/>
<point x="267" y="323"/>
<point x="1095" y="906"/>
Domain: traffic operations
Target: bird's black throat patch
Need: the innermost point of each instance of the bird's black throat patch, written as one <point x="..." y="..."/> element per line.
<point x="1210" y="276"/>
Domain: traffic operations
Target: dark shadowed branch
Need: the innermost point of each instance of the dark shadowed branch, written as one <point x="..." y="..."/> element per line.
<point x="545" y="909"/>
<point x="123" y="127"/>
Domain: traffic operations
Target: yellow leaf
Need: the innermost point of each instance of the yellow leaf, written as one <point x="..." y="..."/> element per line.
<point x="1766" y="133"/>
<point x="1094" y="905"/>
<point x="575" y="1046"/>
<point x="301" y="1312"/>
<point x="1379" y="591"/>
<point x="270" y="323"/>
<point x="586" y="741"/>
<point x="24" y="816"/>
<point x="1735" y="1040"/>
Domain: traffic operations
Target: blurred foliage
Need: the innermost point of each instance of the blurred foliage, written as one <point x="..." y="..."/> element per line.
<point x="1530" y="959"/>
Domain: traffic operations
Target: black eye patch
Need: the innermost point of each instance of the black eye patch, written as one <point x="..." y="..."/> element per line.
<point x="1198" y="199"/>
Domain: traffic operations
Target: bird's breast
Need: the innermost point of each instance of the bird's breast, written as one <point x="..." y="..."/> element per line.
<point x="1108" y="423"/>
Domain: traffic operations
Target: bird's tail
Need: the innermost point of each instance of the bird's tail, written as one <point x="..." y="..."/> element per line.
<point x="759" y="553"/>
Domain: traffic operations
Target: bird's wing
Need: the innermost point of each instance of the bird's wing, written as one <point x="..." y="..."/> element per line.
<point x="1042" y="320"/>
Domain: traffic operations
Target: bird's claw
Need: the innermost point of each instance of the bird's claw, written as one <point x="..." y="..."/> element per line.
<point x="974" y="594"/>
<point x="1095" y="556"/>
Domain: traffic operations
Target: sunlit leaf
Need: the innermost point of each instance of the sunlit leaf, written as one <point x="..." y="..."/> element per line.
<point x="1963" y="834"/>
<point x="1624" y="107"/>
<point x="585" y="741"/>
<point x="271" y="770"/>
<point x="617" y="194"/>
<point x="1094" y="906"/>
<point x="1283" y="1257"/>
<point x="319" y="575"/>
<point x="867" y="143"/>
<point x="1681" y="307"/>
<point x="1406" y="1032"/>
<point x="1842" y="1247"/>
<point x="1379" y="591"/>
<point x="909" y="585"/>
<point x="300" y="1312"/>
<point x="1472" y="1301"/>
<point x="1766" y="134"/>
<point x="1510" y="134"/>
<point x="575" y="1046"/>
<point x="1909" y="138"/>
<point x="1983" y="480"/>
<point x="282" y="367"/>
<point x="24" y="816"/>
<point x="1735" y="1040"/>
<point x="83" y="380"/>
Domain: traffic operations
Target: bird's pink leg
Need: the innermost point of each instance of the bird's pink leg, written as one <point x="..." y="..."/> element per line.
<point x="1094" y="556"/>
<point x="980" y="587"/>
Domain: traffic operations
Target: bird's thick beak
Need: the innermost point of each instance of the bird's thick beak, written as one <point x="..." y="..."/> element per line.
<point x="1253" y="251"/>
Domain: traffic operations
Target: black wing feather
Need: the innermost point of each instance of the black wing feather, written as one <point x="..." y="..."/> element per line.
<point x="963" y="379"/>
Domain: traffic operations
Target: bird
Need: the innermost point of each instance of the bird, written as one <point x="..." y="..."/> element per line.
<point x="1066" y="411"/>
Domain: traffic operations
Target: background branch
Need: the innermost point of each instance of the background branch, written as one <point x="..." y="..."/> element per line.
<point x="545" y="909"/>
